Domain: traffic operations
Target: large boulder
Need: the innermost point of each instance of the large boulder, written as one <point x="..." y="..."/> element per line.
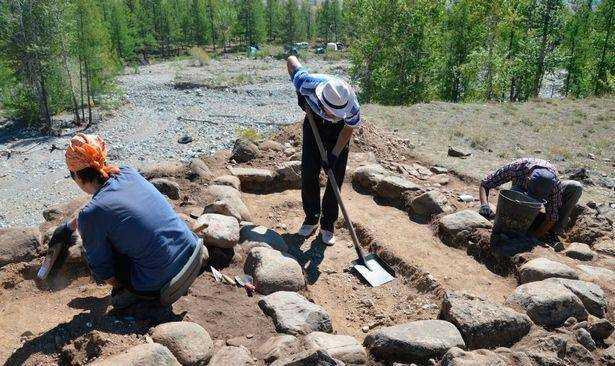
<point x="164" y="169"/>
<point x="166" y="187"/>
<point x="580" y="251"/>
<point x="547" y="303"/>
<point x="230" y="355"/>
<point x="591" y="295"/>
<point x="539" y="269"/>
<point x="228" y="180"/>
<point x="598" y="272"/>
<point x="288" y="174"/>
<point x="293" y="314"/>
<point x="484" y="324"/>
<point x="149" y="354"/>
<point x="392" y="188"/>
<point x="416" y="341"/>
<point x="367" y="177"/>
<point x="277" y="347"/>
<point x="271" y="145"/>
<point x="600" y="329"/>
<point x="218" y="230"/>
<point x="608" y="356"/>
<point x="429" y="204"/>
<point x="311" y="357"/>
<point x="455" y="229"/>
<point x="189" y="342"/>
<point x="223" y="207"/>
<point x="273" y="271"/>
<point x="18" y="245"/>
<point x="483" y="357"/>
<point x="342" y="347"/>
<point x="254" y="179"/>
<point x="244" y="150"/>
<point x="259" y="236"/>
<point x="606" y="247"/>
<point x="232" y="197"/>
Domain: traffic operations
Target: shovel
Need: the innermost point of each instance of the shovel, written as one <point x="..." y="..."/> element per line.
<point x="370" y="267"/>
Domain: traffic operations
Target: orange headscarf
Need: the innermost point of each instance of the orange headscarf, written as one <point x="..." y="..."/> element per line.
<point x="88" y="151"/>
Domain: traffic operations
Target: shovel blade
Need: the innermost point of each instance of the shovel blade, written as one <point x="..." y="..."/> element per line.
<point x="376" y="272"/>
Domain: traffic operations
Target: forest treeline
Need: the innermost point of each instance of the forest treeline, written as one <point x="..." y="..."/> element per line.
<point x="62" y="55"/>
<point x="473" y="50"/>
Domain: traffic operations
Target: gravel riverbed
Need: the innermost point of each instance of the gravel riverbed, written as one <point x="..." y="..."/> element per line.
<point x="226" y="96"/>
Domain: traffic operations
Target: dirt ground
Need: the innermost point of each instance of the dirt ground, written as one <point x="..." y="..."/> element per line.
<point x="68" y="319"/>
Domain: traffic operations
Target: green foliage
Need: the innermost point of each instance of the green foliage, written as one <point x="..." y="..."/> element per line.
<point x="249" y="133"/>
<point x="251" y="21"/>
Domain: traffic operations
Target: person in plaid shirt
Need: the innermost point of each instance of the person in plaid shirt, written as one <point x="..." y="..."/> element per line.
<point x="537" y="178"/>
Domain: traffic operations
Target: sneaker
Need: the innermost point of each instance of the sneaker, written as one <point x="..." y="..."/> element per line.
<point x="307" y="230"/>
<point x="123" y="299"/>
<point x="327" y="237"/>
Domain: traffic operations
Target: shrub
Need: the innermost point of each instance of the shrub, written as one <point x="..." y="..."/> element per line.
<point x="200" y="55"/>
<point x="249" y="133"/>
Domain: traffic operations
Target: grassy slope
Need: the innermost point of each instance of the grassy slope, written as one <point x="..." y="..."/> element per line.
<point x="565" y="132"/>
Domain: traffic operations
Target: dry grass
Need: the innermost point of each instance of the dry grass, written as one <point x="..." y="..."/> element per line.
<point x="201" y="56"/>
<point x="566" y="132"/>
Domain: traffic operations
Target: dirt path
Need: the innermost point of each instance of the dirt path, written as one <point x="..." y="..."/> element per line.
<point x="351" y="303"/>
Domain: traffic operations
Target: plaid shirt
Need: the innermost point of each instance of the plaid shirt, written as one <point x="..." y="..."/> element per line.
<point x="518" y="172"/>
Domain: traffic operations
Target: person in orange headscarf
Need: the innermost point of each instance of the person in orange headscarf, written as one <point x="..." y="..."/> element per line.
<point x="132" y="237"/>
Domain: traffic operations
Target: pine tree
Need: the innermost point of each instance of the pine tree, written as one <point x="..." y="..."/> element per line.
<point x="251" y="21"/>
<point x="290" y="22"/>
<point x="117" y="18"/>
<point x="604" y="48"/>
<point x="273" y="15"/>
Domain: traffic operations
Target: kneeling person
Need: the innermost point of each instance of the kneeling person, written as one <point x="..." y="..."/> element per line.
<point x="537" y="178"/>
<point x="132" y="238"/>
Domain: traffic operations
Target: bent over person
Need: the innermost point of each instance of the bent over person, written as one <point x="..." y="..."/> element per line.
<point x="132" y="238"/>
<point x="537" y="178"/>
<point x="335" y="109"/>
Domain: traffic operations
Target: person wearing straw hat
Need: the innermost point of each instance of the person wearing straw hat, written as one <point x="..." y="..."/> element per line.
<point x="132" y="238"/>
<point x="335" y="108"/>
<point x="537" y="178"/>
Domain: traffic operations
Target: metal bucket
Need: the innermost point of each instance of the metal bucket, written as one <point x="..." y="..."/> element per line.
<point x="515" y="212"/>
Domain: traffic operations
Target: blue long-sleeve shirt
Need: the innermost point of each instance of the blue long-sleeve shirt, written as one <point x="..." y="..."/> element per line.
<point x="128" y="215"/>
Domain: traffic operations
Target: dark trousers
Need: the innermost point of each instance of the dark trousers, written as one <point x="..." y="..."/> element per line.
<point x="121" y="266"/>
<point x="310" y="172"/>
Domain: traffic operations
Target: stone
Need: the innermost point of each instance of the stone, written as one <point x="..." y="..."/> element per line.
<point x="367" y="177"/>
<point x="539" y="269"/>
<point x="166" y="187"/>
<point x="18" y="245"/>
<point x="606" y="247"/>
<point x="288" y="174"/>
<point x="148" y="354"/>
<point x="421" y="170"/>
<point x="310" y="357"/>
<point x="600" y="329"/>
<point x="293" y="314"/>
<point x="290" y="151"/>
<point x="244" y="150"/>
<point x="254" y="179"/>
<point x="164" y="169"/>
<point x="591" y="295"/>
<point x="429" y="204"/>
<point x="200" y="169"/>
<point x="253" y="236"/>
<point x="357" y="159"/>
<point x="392" y="187"/>
<point x="185" y="139"/>
<point x="52" y="214"/>
<point x="583" y="337"/>
<point x="277" y="347"/>
<point x="608" y="356"/>
<point x="458" y="152"/>
<point x="415" y="341"/>
<point x="482" y="357"/>
<point x="547" y="303"/>
<point x="228" y="180"/>
<point x="439" y="169"/>
<point x="441" y="179"/>
<point x="580" y="251"/>
<point x="342" y="347"/>
<point x="454" y="229"/>
<point x="273" y="271"/>
<point x="484" y="324"/>
<point x="218" y="230"/>
<point x="189" y="342"/>
<point x="230" y="355"/>
<point x="223" y="207"/>
<point x="598" y="272"/>
<point x="233" y="198"/>
<point x="270" y="145"/>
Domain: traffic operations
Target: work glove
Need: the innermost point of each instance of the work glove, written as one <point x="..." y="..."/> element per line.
<point x="330" y="162"/>
<point x="486" y="211"/>
<point x="64" y="237"/>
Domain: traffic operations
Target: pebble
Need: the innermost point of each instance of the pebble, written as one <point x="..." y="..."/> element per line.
<point x="365" y="329"/>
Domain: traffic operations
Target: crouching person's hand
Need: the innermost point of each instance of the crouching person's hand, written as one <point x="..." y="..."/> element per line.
<point x="486" y="211"/>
